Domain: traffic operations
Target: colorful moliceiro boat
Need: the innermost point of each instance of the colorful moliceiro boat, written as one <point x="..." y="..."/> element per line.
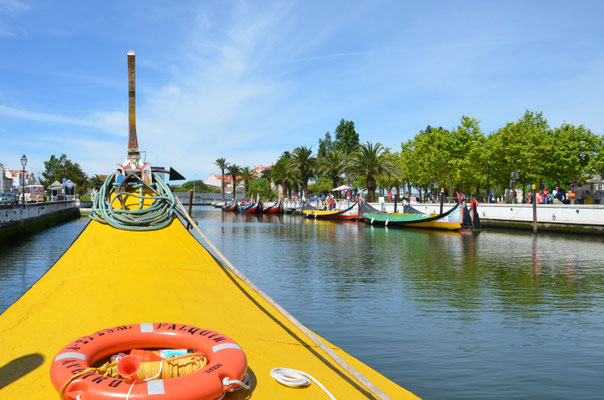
<point x="411" y="218"/>
<point x="273" y="209"/>
<point x="251" y="207"/>
<point x="233" y="206"/>
<point x="350" y="213"/>
<point x="136" y="286"/>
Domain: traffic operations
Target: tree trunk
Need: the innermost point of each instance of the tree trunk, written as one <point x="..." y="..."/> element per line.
<point x="523" y="189"/>
<point x="334" y="182"/>
<point x="304" y="185"/>
<point x="370" y="189"/>
<point x="222" y="183"/>
<point x="450" y="186"/>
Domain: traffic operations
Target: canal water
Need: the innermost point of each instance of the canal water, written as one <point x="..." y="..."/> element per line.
<point x="493" y="315"/>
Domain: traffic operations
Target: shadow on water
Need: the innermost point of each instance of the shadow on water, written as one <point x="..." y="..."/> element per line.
<point x="19" y="367"/>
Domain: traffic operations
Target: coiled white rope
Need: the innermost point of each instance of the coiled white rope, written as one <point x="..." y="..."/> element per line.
<point x="294" y="378"/>
<point x="228" y="381"/>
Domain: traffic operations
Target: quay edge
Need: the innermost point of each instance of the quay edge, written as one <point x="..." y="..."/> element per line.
<point x="25" y="219"/>
<point x="564" y="218"/>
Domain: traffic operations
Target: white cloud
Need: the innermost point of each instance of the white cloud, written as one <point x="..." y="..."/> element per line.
<point x="9" y="9"/>
<point x="112" y="122"/>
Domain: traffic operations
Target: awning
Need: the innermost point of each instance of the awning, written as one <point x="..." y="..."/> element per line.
<point x="342" y="188"/>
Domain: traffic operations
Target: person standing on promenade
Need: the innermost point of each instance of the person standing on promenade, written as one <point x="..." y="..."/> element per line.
<point x="580" y="194"/>
<point x="571" y="193"/>
<point x="558" y="195"/>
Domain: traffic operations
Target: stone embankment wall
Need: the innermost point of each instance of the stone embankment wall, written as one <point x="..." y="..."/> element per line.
<point x="581" y="218"/>
<point x="28" y="218"/>
<point x="202" y="198"/>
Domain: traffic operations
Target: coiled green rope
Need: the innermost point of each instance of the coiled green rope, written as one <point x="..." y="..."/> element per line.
<point x="156" y="215"/>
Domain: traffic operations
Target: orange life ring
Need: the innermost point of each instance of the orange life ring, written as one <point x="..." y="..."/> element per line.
<point x="226" y="359"/>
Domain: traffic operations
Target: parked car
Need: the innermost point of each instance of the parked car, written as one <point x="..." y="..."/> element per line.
<point x="8" y="198"/>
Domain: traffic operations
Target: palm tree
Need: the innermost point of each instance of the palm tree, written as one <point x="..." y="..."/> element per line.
<point x="372" y="161"/>
<point x="331" y="166"/>
<point x="305" y="162"/>
<point x="222" y="164"/>
<point x="286" y="174"/>
<point x="246" y="175"/>
<point x="233" y="170"/>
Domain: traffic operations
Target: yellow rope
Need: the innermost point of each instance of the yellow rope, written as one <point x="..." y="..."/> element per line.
<point x="171" y="368"/>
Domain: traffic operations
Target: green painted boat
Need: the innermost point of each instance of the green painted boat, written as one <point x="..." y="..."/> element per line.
<point x="449" y="220"/>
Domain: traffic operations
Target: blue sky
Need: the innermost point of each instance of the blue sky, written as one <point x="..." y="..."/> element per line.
<point x="247" y="80"/>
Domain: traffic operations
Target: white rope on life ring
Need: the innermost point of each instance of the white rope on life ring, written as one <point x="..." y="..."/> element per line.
<point x="294" y="378"/>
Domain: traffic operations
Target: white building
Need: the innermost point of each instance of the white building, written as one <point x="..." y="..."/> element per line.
<point x="215" y="181"/>
<point x="6" y="180"/>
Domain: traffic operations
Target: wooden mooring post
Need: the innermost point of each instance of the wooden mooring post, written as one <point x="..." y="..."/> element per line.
<point x="534" y="198"/>
<point x="190" y="206"/>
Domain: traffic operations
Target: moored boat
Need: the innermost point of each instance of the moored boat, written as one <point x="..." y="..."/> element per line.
<point x="136" y="273"/>
<point x="449" y="220"/>
<point x="230" y="207"/>
<point x="251" y="208"/>
<point x="351" y="213"/>
<point x="273" y="209"/>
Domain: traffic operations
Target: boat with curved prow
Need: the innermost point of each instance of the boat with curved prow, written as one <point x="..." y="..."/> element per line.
<point x="449" y="220"/>
<point x="273" y="209"/>
<point x="251" y="208"/>
<point x="134" y="265"/>
<point x="350" y="213"/>
<point x="230" y="207"/>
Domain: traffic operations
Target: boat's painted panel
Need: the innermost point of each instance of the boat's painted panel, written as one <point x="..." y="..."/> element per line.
<point x="436" y="225"/>
<point x="351" y="213"/>
<point x="110" y="277"/>
<point x="394" y="218"/>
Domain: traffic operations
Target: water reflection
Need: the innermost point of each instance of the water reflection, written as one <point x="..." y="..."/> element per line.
<point x="448" y="307"/>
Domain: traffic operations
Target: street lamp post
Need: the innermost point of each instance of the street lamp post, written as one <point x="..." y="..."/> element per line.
<point x="23" y="163"/>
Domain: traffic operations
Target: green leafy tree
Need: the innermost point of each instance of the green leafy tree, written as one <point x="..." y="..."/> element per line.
<point x="322" y="185"/>
<point x="524" y="146"/>
<point x="58" y="168"/>
<point x="371" y="161"/>
<point x="325" y="145"/>
<point x="197" y="185"/>
<point x="305" y="162"/>
<point x="233" y="170"/>
<point x="570" y="153"/>
<point x="346" y="137"/>
<point x="465" y="138"/>
<point x="262" y="187"/>
<point x="428" y="158"/>
<point x="223" y="165"/>
<point x="406" y="164"/>
<point x="485" y="160"/>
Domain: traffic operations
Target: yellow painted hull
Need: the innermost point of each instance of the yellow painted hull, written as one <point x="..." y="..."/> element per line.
<point x="111" y="277"/>
<point x="453" y="226"/>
